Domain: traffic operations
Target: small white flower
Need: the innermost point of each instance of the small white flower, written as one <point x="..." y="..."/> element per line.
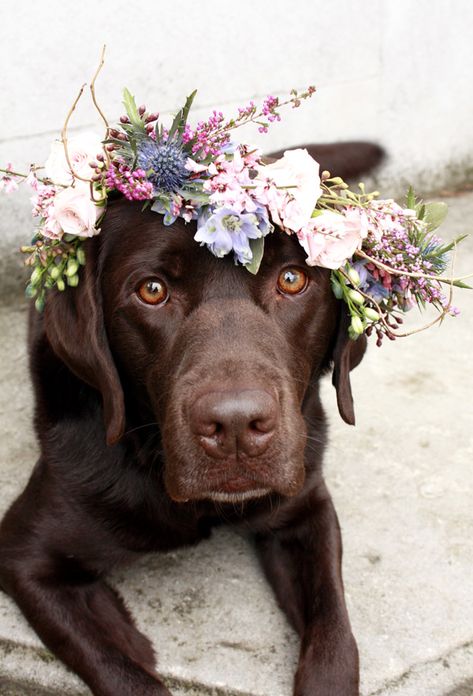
<point x="82" y="149"/>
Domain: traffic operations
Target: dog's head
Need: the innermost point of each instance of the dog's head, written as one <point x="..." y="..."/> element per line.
<point x="220" y="359"/>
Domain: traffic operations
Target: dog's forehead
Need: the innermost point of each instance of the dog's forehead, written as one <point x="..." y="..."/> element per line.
<point x="135" y="238"/>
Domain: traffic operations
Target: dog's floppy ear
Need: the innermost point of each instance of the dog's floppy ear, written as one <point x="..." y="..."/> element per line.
<point x="346" y="355"/>
<point x="75" y="328"/>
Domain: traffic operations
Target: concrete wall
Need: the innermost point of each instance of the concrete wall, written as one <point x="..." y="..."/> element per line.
<point x="394" y="71"/>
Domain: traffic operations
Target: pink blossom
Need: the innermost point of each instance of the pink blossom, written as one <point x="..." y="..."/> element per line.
<point x="8" y="183"/>
<point x="193" y="166"/>
<point x="230" y="184"/>
<point x="74" y="212"/>
<point x="330" y="239"/>
<point x="296" y="176"/>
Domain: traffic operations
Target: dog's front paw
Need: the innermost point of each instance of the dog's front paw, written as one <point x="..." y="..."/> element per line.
<point x="328" y="670"/>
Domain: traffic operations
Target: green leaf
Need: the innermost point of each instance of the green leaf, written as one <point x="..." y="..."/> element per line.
<point x="411" y="199"/>
<point x="316" y="213"/>
<point x="435" y="214"/>
<point x="132" y="111"/>
<point x="257" y="249"/>
<point x="461" y="284"/>
<point x="420" y="210"/>
<point x="181" y="117"/>
<point x="448" y="247"/>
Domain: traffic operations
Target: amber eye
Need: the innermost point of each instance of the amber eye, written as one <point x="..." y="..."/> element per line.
<point x="291" y="281"/>
<point x="153" y="291"/>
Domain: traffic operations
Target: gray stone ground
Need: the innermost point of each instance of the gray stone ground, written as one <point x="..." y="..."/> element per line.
<point x="402" y="482"/>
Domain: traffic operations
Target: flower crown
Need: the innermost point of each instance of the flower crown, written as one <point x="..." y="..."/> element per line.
<point x="384" y="258"/>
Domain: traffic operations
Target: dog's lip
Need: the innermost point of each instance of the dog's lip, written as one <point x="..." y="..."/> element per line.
<point x="236" y="484"/>
<point x="239" y="497"/>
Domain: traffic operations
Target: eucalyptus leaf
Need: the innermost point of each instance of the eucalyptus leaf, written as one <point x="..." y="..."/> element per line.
<point x="257" y="249"/>
<point x="435" y="214"/>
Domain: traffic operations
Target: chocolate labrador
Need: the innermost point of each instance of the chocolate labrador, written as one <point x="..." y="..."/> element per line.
<point x="173" y="391"/>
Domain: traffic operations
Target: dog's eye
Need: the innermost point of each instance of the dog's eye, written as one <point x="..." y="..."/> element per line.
<point x="292" y="281"/>
<point x="153" y="291"/>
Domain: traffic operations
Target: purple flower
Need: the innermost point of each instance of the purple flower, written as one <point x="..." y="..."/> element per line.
<point x="225" y="229"/>
<point x="164" y="164"/>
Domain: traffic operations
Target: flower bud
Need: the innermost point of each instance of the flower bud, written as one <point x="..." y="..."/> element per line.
<point x="36" y="276"/>
<point x="141" y="109"/>
<point x="371" y="314"/>
<point x="356" y="325"/>
<point x="30" y="291"/>
<point x="354" y="277"/>
<point x="61" y="286"/>
<point x="124" y="119"/>
<point x="54" y="272"/>
<point x="39" y="303"/>
<point x="80" y="256"/>
<point x="356" y="297"/>
<point x="151" y="117"/>
<point x="73" y="280"/>
<point x="72" y="268"/>
<point x="337" y="289"/>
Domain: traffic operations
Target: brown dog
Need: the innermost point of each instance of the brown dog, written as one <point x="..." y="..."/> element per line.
<point x="174" y="390"/>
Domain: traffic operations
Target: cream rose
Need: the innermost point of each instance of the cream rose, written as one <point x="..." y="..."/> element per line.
<point x="82" y="149"/>
<point x="75" y="212"/>
<point x="330" y="239"/>
<point x="292" y="207"/>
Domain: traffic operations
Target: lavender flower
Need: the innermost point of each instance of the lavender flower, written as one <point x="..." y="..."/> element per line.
<point x="225" y="229"/>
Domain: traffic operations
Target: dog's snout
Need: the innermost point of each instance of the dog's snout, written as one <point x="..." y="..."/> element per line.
<point x="228" y="423"/>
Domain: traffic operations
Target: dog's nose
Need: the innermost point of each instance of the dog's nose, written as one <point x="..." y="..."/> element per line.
<point x="231" y="422"/>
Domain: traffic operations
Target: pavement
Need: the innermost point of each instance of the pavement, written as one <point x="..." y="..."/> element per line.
<point x="402" y="481"/>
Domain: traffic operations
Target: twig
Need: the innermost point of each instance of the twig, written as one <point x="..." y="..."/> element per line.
<point x="64" y="135"/>
<point x="94" y="99"/>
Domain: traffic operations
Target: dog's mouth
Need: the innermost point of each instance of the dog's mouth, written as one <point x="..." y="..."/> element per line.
<point x="237" y="497"/>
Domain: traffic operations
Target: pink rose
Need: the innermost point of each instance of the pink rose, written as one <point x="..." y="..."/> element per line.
<point x="82" y="149"/>
<point x="74" y="212"/>
<point x="330" y="239"/>
<point x="295" y="176"/>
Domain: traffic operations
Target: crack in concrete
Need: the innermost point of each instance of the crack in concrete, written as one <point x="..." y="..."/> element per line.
<point x="417" y="666"/>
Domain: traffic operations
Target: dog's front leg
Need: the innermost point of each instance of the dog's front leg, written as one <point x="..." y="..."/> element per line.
<point x="302" y="560"/>
<point x="88" y="627"/>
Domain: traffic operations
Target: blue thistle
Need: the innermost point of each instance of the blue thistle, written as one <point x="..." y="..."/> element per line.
<point x="164" y="164"/>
